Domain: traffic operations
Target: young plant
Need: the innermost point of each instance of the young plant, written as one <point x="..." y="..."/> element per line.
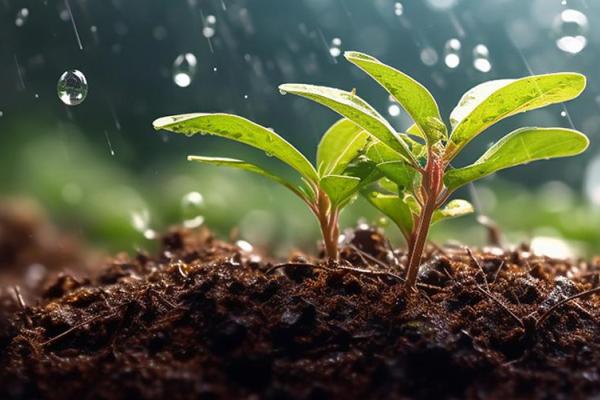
<point x="326" y="189"/>
<point x="416" y="164"/>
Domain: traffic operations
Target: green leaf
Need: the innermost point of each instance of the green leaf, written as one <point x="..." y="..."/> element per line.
<point x="355" y="109"/>
<point x="240" y="164"/>
<point x="394" y="208"/>
<point x="242" y="130"/>
<point x="339" y="187"/>
<point x="520" y="147"/>
<point x="454" y="208"/>
<point x="414" y="97"/>
<point x="341" y="144"/>
<point x="490" y="102"/>
<point x="399" y="172"/>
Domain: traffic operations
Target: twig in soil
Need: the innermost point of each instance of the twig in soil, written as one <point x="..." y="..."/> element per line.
<point x="368" y="256"/>
<point x="19" y="297"/>
<point x="544" y="316"/>
<point x="472" y="256"/>
<point x="498" y="271"/>
<point x="73" y="328"/>
<point x="502" y="305"/>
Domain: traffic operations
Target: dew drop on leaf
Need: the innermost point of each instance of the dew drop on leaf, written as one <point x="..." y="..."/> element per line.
<point x="570" y="29"/>
<point x="452" y="53"/>
<point x="72" y="87"/>
<point x="184" y="69"/>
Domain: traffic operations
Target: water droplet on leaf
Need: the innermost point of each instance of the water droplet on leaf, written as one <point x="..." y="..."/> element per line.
<point x="72" y="87"/>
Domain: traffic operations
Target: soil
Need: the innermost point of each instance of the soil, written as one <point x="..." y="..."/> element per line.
<point x="205" y="320"/>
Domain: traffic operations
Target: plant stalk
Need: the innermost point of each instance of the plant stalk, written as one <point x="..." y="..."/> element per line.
<point x="328" y="221"/>
<point x="418" y="242"/>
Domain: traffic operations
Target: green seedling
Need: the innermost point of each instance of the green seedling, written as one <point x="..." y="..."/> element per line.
<point x="417" y="174"/>
<point x="327" y="189"/>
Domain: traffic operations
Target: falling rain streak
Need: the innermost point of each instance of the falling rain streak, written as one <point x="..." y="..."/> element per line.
<point x="68" y="6"/>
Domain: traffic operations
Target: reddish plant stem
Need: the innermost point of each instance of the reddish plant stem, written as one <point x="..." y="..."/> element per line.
<point x="432" y="187"/>
<point x="328" y="217"/>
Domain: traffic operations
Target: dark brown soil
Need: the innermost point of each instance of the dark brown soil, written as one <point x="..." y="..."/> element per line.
<point x="205" y="320"/>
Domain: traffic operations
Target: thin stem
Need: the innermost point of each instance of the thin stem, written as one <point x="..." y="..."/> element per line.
<point x="418" y="243"/>
<point x="327" y="217"/>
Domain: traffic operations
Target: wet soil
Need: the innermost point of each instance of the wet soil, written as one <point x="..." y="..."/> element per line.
<point x="205" y="320"/>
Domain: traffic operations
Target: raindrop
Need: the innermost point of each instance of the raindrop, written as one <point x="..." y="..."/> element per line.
<point x="452" y="53"/>
<point x="22" y="15"/>
<point x="429" y="56"/>
<point x="192" y="206"/>
<point x="1" y="113"/>
<point x="72" y="87"/>
<point x="398" y="8"/>
<point x="335" y="49"/>
<point x="140" y="221"/>
<point x="563" y="2"/>
<point x="208" y="30"/>
<point x="563" y="113"/>
<point x="245" y="97"/>
<point x="215" y="69"/>
<point x="570" y="28"/>
<point x="481" y="58"/>
<point x="393" y="108"/>
<point x="184" y="69"/>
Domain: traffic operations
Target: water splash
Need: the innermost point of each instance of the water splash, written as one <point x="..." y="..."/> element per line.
<point x="72" y="87"/>
<point x="184" y="69"/>
<point x="570" y="28"/>
<point x="452" y="53"/>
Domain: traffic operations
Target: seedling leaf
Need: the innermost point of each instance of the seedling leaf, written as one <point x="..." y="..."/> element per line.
<point x="399" y="172"/>
<point x="414" y="97"/>
<point x="355" y="109"/>
<point x="339" y="187"/>
<point x="520" y="147"/>
<point x="242" y="130"/>
<point x="394" y="208"/>
<point x="341" y="144"/>
<point x="490" y="102"/>
<point x="454" y="208"/>
<point x="240" y="164"/>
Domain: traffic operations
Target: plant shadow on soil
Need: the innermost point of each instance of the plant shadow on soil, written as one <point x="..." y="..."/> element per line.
<point x="203" y="319"/>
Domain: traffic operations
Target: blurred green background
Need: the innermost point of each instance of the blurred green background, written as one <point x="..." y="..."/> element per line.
<point x="100" y="170"/>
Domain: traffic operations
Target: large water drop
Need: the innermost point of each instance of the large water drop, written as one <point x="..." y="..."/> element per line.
<point x="184" y="69"/>
<point x="192" y="209"/>
<point x="72" y="87"/>
<point x="452" y="53"/>
<point x="571" y="27"/>
<point x="429" y="56"/>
